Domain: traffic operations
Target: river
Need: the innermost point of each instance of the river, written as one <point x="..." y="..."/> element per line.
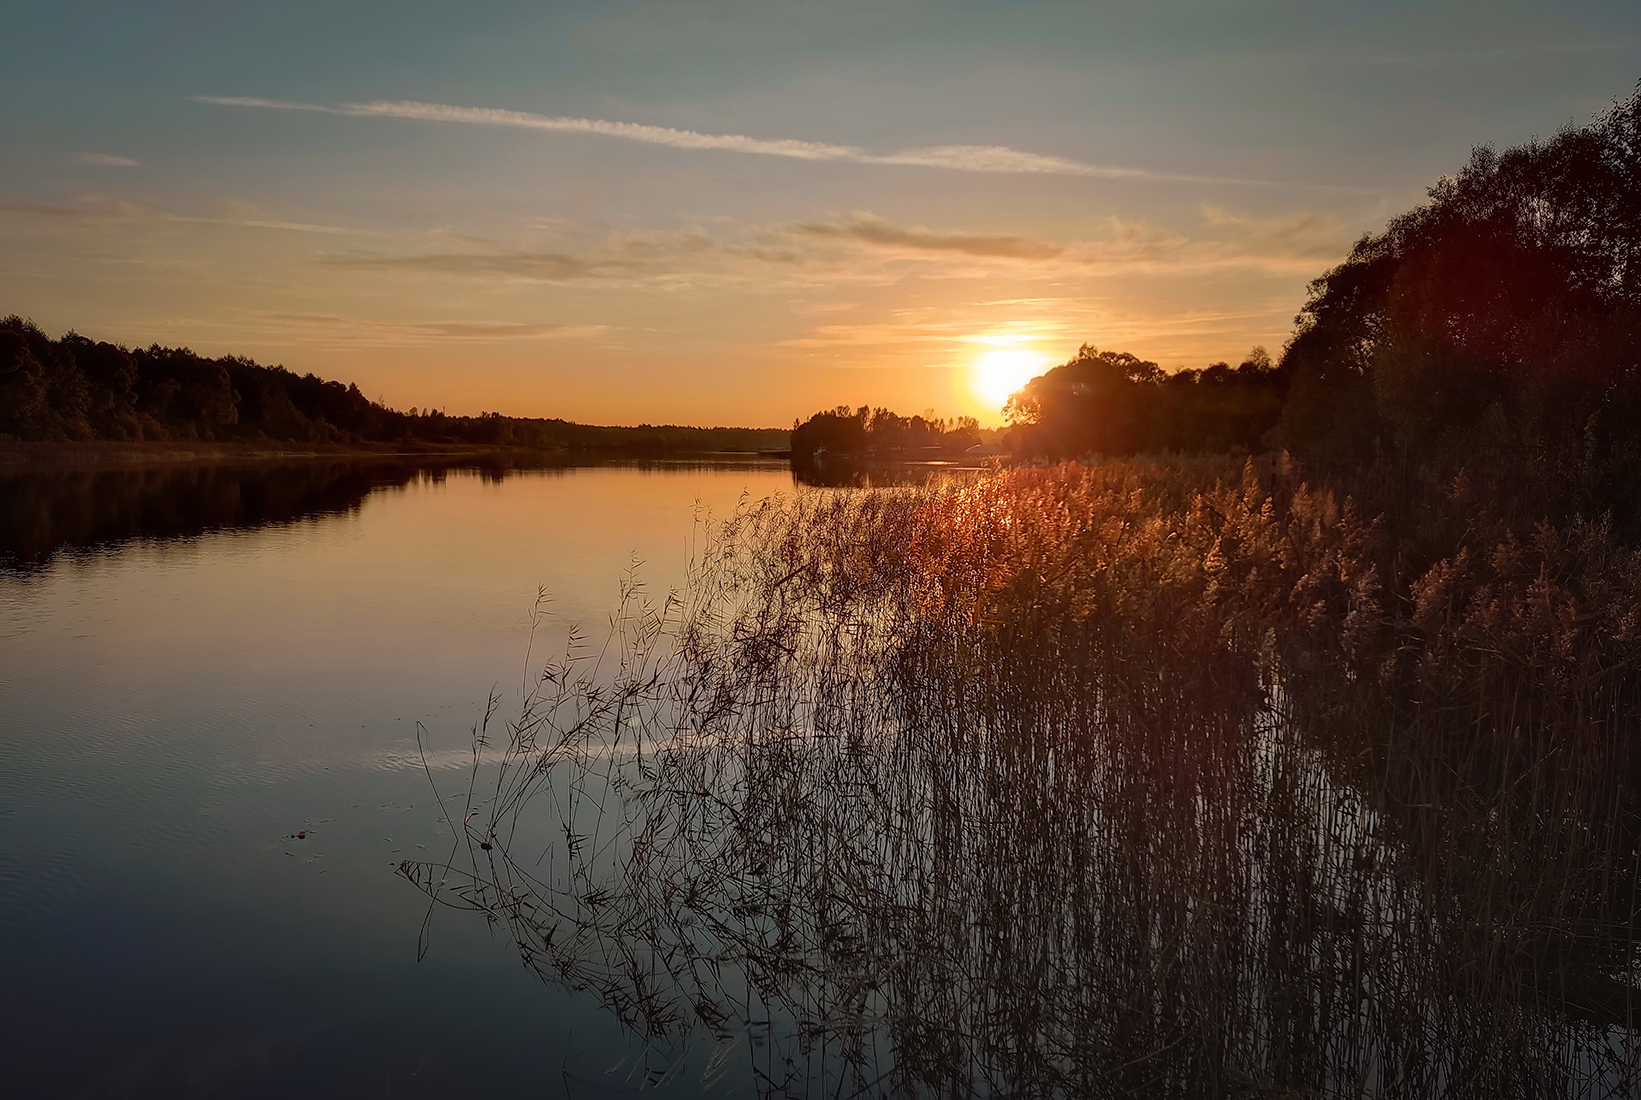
<point x="211" y="682"/>
<point x="886" y="813"/>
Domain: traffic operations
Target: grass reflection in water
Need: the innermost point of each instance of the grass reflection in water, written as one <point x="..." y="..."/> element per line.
<point x="1129" y="781"/>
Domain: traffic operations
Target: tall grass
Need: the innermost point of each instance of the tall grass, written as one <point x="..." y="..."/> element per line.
<point x="1130" y="781"/>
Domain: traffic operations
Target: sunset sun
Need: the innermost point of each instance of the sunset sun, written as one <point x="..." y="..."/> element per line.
<point x="999" y="373"/>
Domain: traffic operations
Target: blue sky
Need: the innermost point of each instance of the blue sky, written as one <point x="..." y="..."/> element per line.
<point x="712" y="212"/>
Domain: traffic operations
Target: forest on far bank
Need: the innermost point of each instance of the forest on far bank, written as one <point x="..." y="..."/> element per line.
<point x="77" y="389"/>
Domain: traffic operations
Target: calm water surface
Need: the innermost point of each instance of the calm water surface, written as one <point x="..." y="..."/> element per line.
<point x="1065" y="861"/>
<point x="197" y="666"/>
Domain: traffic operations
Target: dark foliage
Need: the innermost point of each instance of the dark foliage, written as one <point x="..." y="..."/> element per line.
<point x="77" y="389"/>
<point x="1113" y="403"/>
<point x="880" y="433"/>
<point x="1504" y="314"/>
<point x="1506" y="311"/>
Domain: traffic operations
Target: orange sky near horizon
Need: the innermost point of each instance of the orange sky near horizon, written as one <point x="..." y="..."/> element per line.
<point x="717" y="212"/>
<point x="857" y="310"/>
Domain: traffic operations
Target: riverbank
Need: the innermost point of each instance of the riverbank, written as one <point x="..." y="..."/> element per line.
<point x="110" y="453"/>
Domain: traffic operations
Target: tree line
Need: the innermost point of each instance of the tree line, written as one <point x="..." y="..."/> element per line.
<point x="1114" y="403"/>
<point x="77" y="389"/>
<point x="880" y="433"/>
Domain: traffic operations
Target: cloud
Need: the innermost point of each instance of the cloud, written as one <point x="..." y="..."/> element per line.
<point x="335" y="326"/>
<point x="102" y="209"/>
<point x="993" y="159"/>
<point x="632" y="131"/>
<point x="87" y="209"/>
<point x="1001" y="159"/>
<point x="919" y="336"/>
<point x="1301" y="241"/>
<point x="629" y="258"/>
<point x="506" y="330"/>
<point x="257" y="101"/>
<point x="107" y="160"/>
<point x="1304" y="242"/>
<point x="257" y="223"/>
<point x="41" y="210"/>
<point x="489" y="116"/>
<point x="805" y="252"/>
<point x="876" y="231"/>
<point x="859" y="248"/>
<point x="864" y="248"/>
<point x="551" y="267"/>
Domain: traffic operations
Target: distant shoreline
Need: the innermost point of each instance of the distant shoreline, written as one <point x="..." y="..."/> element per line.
<point x="117" y="453"/>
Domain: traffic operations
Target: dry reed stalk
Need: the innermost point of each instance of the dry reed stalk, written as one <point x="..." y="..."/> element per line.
<point x="1093" y="783"/>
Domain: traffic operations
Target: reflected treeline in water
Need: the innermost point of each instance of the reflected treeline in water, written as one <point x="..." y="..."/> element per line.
<point x="1120" y="782"/>
<point x="50" y="511"/>
<point x="55" y="510"/>
<point x="846" y="471"/>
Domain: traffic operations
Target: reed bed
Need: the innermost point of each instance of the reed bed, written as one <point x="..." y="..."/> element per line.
<point x="1127" y="781"/>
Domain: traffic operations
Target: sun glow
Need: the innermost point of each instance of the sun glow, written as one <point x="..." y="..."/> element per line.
<point x="997" y="374"/>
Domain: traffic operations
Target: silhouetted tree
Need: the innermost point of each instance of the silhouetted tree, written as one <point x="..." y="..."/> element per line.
<point x="880" y="433"/>
<point x="77" y="389"/>
<point x="837" y="431"/>
<point x="1114" y="403"/>
<point x="1505" y="311"/>
<point x="43" y="394"/>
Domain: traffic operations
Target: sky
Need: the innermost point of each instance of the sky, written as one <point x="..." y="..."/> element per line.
<point x="716" y="212"/>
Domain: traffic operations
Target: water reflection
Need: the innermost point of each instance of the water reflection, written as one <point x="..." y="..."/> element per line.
<point x="812" y="831"/>
<point x="844" y="471"/>
<point x="173" y="712"/>
<point x="55" y="511"/>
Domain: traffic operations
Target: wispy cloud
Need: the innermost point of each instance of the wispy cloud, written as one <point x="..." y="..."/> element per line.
<point x="103" y="209"/>
<point x="914" y="335"/>
<point x="332" y="326"/>
<point x="1303" y="238"/>
<point x="489" y="116"/>
<point x="1003" y="160"/>
<point x="656" y="257"/>
<point x="551" y="267"/>
<point x="862" y="248"/>
<point x="995" y="159"/>
<point x="107" y="160"/>
<point x="507" y="330"/>
<point x="1300" y="242"/>
<point x="260" y="223"/>
<point x="865" y="248"/>
<point x="877" y="231"/>
<point x="42" y="210"/>
<point x="632" y="131"/>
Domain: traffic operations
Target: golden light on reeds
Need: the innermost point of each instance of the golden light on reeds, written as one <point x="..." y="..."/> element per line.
<point x="1139" y="780"/>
